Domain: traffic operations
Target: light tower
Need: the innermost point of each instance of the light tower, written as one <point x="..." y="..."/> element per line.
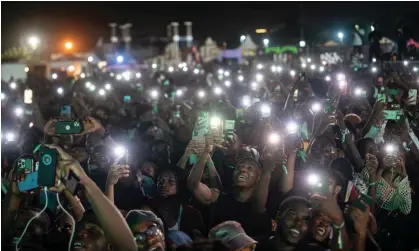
<point x="169" y="32"/>
<point x="189" y="37"/>
<point x="176" y="39"/>
<point x="126" y="36"/>
<point x="114" y="37"/>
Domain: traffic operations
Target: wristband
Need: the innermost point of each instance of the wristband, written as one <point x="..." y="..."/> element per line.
<point x="284" y="168"/>
<point x="338" y="228"/>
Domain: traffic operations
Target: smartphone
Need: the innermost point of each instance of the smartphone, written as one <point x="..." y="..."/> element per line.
<point x="25" y="165"/>
<point x="28" y="94"/>
<point x="202" y="127"/>
<point x="47" y="167"/>
<point x="72" y="183"/>
<point x="321" y="187"/>
<point x="68" y="127"/>
<point x="29" y="183"/>
<point x="362" y="198"/>
<point x="65" y="110"/>
<point x="393" y="92"/>
<point x="413" y="95"/>
<point x="127" y="99"/>
<point x="229" y="128"/>
<point x="393" y="114"/>
<point x="52" y="201"/>
<point x="239" y="114"/>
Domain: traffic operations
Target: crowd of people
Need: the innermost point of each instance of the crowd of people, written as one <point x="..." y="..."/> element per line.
<point x="310" y="164"/>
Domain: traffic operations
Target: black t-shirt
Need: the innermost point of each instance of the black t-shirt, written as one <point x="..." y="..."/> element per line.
<point x="227" y="208"/>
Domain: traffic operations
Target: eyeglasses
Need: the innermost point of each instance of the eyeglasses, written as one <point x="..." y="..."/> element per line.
<point x="151" y="232"/>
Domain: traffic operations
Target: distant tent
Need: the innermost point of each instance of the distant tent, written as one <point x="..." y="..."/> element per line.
<point x="248" y="47"/>
<point x="209" y="51"/>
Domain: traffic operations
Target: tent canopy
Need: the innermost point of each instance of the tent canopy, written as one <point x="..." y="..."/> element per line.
<point x="248" y="44"/>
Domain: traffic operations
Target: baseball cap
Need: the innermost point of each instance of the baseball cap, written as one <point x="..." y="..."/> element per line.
<point x="135" y="217"/>
<point x="232" y="234"/>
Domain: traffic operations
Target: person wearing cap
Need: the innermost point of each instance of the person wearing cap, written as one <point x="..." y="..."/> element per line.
<point x="175" y="239"/>
<point x="148" y="230"/>
<point x="233" y="236"/>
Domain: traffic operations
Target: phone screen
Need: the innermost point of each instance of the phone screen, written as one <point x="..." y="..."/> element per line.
<point x="65" y="110"/>
<point x="47" y="167"/>
<point x="127" y="99"/>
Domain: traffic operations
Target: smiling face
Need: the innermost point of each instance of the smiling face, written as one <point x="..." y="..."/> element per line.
<point x="320" y="228"/>
<point x="167" y="184"/>
<point x="294" y="223"/>
<point x="246" y="174"/>
<point x="148" y="236"/>
<point x="89" y="237"/>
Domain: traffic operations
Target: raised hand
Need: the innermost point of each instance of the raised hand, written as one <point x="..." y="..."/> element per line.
<point x="91" y="125"/>
<point x="360" y="219"/>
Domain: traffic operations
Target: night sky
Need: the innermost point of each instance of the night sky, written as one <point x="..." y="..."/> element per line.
<point x="85" y="22"/>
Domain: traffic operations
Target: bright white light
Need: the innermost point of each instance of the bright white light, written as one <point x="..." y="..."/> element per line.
<point x="31" y="125"/>
<point x="108" y="87"/>
<point x="220" y="71"/>
<point x="92" y="87"/>
<point x="215" y="122"/>
<point x="259" y="77"/>
<point x="313" y="67"/>
<point x="254" y="85"/>
<point x="240" y="78"/>
<point x="302" y="43"/>
<point x="3" y="96"/>
<point x="246" y="101"/>
<point x="308" y="60"/>
<point x="292" y="73"/>
<point x="171" y="69"/>
<point x="179" y="93"/>
<point x="327" y="78"/>
<point x="34" y="42"/>
<point x="118" y="77"/>
<point x="342" y="84"/>
<point x="181" y="65"/>
<point x="273" y="68"/>
<point x="259" y="66"/>
<point x="227" y="83"/>
<point x="54" y="76"/>
<point x="340" y="35"/>
<point x="26" y="69"/>
<point x="273" y="138"/>
<point x="358" y="92"/>
<point x="372" y="28"/>
<point x="71" y="68"/>
<point x="60" y="90"/>
<point x="415" y="69"/>
<point x="102" y="92"/>
<point x="340" y="76"/>
<point x="303" y="65"/>
<point x="374" y="60"/>
<point x="218" y="90"/>
<point x="119" y="59"/>
<point x="154" y="94"/>
<point x="82" y="75"/>
<point x="176" y="38"/>
<point x="321" y="68"/>
<point x="313" y="179"/>
<point x="265" y="41"/>
<point x="278" y="68"/>
<point x="196" y="71"/>
<point x="374" y="69"/>
<point x="18" y="111"/>
<point x="185" y="69"/>
<point x="13" y="85"/>
<point x="10" y="137"/>
<point x="88" y="84"/>
<point x="242" y="38"/>
<point x="126" y="75"/>
<point x="265" y="109"/>
<point x="154" y="66"/>
<point x="201" y="94"/>
<point x="111" y="74"/>
<point x="390" y="148"/>
<point x="120" y="151"/>
<point x="90" y="59"/>
<point x="292" y="127"/>
<point x="226" y="73"/>
<point x="405" y="63"/>
<point x="316" y="107"/>
<point x="324" y="62"/>
<point x="138" y="75"/>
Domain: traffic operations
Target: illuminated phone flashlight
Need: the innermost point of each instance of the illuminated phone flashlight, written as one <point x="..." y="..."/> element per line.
<point x="102" y="92"/>
<point x="196" y="71"/>
<point x="138" y="75"/>
<point x="273" y="138"/>
<point x="259" y="77"/>
<point x="10" y="137"/>
<point x="358" y="91"/>
<point x="273" y="68"/>
<point x="82" y="75"/>
<point x="246" y="101"/>
<point x="118" y="77"/>
<point x="3" y="96"/>
<point x="265" y="110"/>
<point x="313" y="67"/>
<point x="215" y="122"/>
<point x="340" y="76"/>
<point x="88" y="84"/>
<point x="126" y="75"/>
<point x="313" y="179"/>
<point x="13" y="85"/>
<point x="179" y="93"/>
<point x="415" y="69"/>
<point x="227" y="83"/>
<point x="92" y="88"/>
<point x="374" y="60"/>
<point x="171" y="69"/>
<point x="374" y="69"/>
<point x="154" y="94"/>
<point x="120" y="151"/>
<point x="218" y="90"/>
<point x="154" y="66"/>
<point x="342" y="84"/>
<point x="240" y="78"/>
<point x="303" y="65"/>
<point x="259" y="66"/>
<point x="254" y="85"/>
<point x="405" y="63"/>
<point x="30" y="124"/>
<point x="201" y="94"/>
<point x="390" y="148"/>
<point x="54" y="76"/>
<point x="324" y="62"/>
<point x="112" y="74"/>
<point x="309" y="60"/>
<point x="292" y="73"/>
<point x="327" y="78"/>
<point x="108" y="86"/>
<point x="18" y="111"/>
<point x="60" y="90"/>
<point x="316" y="107"/>
<point x="292" y="127"/>
<point x="278" y="68"/>
<point x="220" y="71"/>
<point x="185" y="69"/>
<point x="226" y="73"/>
<point x="321" y="69"/>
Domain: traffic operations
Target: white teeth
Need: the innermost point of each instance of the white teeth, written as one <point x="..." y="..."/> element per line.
<point x="242" y="177"/>
<point x="321" y="230"/>
<point x="295" y="231"/>
<point x="78" y="245"/>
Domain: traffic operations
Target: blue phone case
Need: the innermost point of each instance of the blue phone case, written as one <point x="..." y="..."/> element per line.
<point x="29" y="183"/>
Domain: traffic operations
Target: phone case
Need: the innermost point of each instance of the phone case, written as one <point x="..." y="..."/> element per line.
<point x="29" y="183"/>
<point x="229" y="128"/>
<point x="413" y="94"/>
<point x="26" y="164"/>
<point x="68" y="127"/>
<point x="47" y="167"/>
